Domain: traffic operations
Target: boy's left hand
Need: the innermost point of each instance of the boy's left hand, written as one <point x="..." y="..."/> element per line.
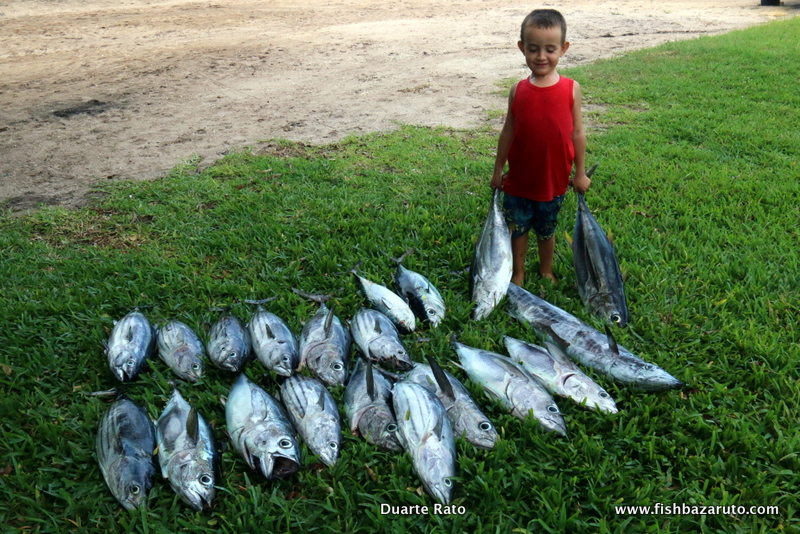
<point x="580" y="183"/>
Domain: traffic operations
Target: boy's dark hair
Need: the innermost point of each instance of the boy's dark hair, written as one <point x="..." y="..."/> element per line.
<point x="544" y="19"/>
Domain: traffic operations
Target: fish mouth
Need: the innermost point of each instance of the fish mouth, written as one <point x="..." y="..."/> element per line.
<point x="283" y="467"/>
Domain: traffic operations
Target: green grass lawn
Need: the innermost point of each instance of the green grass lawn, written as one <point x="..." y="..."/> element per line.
<point x="698" y="186"/>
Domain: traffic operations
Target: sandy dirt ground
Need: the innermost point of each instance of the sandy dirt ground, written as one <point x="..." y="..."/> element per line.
<point x="97" y="90"/>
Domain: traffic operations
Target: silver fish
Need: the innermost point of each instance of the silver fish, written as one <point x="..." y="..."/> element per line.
<point x="423" y="298"/>
<point x="368" y="403"/>
<point x="388" y="302"/>
<point x="596" y="268"/>
<point x="181" y="350"/>
<point x="466" y="417"/>
<point x="492" y="264"/>
<point x="274" y="344"/>
<point x="585" y="345"/>
<point x="559" y="375"/>
<point x="132" y="341"/>
<point x="512" y="386"/>
<point x="325" y="347"/>
<point x="314" y="414"/>
<point x="186" y="452"/>
<point x="125" y="444"/>
<point x="229" y="346"/>
<point x="426" y="434"/>
<point x="378" y="339"/>
<point x="261" y="431"/>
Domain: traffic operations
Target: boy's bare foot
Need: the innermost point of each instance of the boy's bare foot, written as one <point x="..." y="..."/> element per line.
<point x="518" y="281"/>
<point x="550" y="277"/>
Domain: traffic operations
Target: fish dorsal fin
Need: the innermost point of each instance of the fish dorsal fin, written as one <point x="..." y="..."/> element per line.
<point x="193" y="426"/>
<point x="441" y="378"/>
<point x="612" y="343"/>
<point x="129" y="334"/>
<point x="370" y="382"/>
<point x="329" y="321"/>
<point x="557" y="354"/>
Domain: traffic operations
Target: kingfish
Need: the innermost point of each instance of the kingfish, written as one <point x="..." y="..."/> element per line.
<point x="125" y="443"/>
<point x="492" y="264"/>
<point x="368" y="403"/>
<point x="378" y="339"/>
<point x="387" y="302"/>
<point x="325" y="347"/>
<point x="426" y="434"/>
<point x="261" y="431"/>
<point x="514" y="387"/>
<point x="181" y="350"/>
<point x="466" y="417"/>
<point x="274" y="344"/>
<point x="132" y="341"/>
<point x="585" y="345"/>
<point x="559" y="375"/>
<point x="314" y="414"/>
<point x="186" y="452"/>
<point x="229" y="346"/>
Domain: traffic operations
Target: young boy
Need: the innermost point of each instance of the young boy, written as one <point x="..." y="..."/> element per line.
<point x="541" y="138"/>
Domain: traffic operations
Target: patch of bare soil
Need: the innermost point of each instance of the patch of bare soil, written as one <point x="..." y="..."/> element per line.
<point x="96" y="90"/>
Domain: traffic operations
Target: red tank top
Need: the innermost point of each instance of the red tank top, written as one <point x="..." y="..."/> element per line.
<point x="541" y="153"/>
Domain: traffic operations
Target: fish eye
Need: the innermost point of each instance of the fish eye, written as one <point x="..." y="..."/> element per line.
<point x="448" y="483"/>
<point x="131" y="362"/>
<point x="391" y="427"/>
<point x="604" y="394"/>
<point x="285" y="359"/>
<point x="135" y="490"/>
<point x="552" y="408"/>
<point x="616" y="318"/>
<point x="431" y="312"/>
<point x="206" y="480"/>
<point x="333" y="445"/>
<point x="195" y="366"/>
<point x="285" y="443"/>
<point x="485" y="426"/>
<point x="232" y="354"/>
<point x="338" y="366"/>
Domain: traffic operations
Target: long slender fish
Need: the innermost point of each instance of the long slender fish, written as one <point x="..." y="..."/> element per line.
<point x="492" y="264"/>
<point x="423" y="298"/>
<point x="585" y="345"/>
<point x="467" y="418"/>
<point x="181" y="350"/>
<point x="558" y="374"/>
<point x="368" y="403"/>
<point x="261" y="431"/>
<point x="132" y="341"/>
<point x="125" y="443"/>
<point x="514" y="387"/>
<point x="378" y="340"/>
<point x="229" y="345"/>
<point x="325" y="347"/>
<point x="186" y="452"/>
<point x="596" y="268"/>
<point x="426" y="434"/>
<point x="387" y="302"/>
<point x="274" y="344"/>
<point x="315" y="415"/>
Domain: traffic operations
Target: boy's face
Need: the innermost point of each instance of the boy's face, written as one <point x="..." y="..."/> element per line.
<point x="542" y="48"/>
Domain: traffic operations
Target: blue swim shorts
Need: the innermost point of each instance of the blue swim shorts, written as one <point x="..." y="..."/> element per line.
<point x="523" y="214"/>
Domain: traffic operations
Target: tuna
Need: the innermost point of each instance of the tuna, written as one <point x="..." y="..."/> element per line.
<point x="181" y="350"/>
<point x="229" y="346"/>
<point x="274" y="344"/>
<point x="131" y="343"/>
<point x="368" y="402"/>
<point x="492" y="264"/>
<point x="387" y="302"/>
<point x="423" y="298"/>
<point x="378" y="340"/>
<point x="325" y="347"/>
<point x="315" y="415"/>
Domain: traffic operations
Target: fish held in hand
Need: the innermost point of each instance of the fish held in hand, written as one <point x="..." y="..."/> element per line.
<point x="131" y="343"/>
<point x="186" y="452"/>
<point x="125" y="443"/>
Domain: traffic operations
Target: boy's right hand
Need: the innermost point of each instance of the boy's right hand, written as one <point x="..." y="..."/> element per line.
<point x="497" y="180"/>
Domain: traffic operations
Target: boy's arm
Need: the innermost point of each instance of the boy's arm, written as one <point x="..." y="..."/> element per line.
<point x="504" y="143"/>
<point x="580" y="182"/>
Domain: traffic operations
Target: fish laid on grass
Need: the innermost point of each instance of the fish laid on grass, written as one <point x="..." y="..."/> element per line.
<point x="325" y="347"/>
<point x="423" y="298"/>
<point x="274" y="344"/>
<point x="596" y="268"/>
<point x="126" y="441"/>
<point x="181" y="350"/>
<point x="315" y="415"/>
<point x="387" y="302"/>
<point x="229" y="346"/>
<point x="551" y="367"/>
<point x="131" y="343"/>
<point x="261" y="431"/>
<point x="426" y="435"/>
<point x="585" y="345"/>
<point x="491" y="269"/>
<point x="186" y="452"/>
<point x="368" y="403"/>
<point x="466" y="417"/>
<point x="514" y="387"/>
<point x="378" y="340"/>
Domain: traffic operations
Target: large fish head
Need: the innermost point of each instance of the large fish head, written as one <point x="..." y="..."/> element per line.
<point x="328" y="364"/>
<point x="475" y="428"/>
<point x="325" y="440"/>
<point x="272" y="451"/>
<point x="284" y="359"/>
<point x="603" y="306"/>
<point x="229" y="354"/>
<point x="124" y="363"/>
<point x="378" y="426"/>
<point x="434" y="310"/>
<point x="595" y="397"/>
<point x="193" y="480"/>
<point x="131" y="481"/>
<point x="435" y="471"/>
<point x="188" y="364"/>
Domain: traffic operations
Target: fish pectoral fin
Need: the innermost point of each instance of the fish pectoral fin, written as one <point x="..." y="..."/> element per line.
<point x="193" y="426"/>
